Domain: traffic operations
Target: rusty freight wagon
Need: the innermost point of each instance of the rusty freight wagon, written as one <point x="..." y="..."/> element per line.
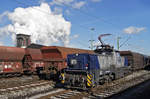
<point x="11" y="61"/>
<point x="32" y="61"/>
<point x="55" y="59"/>
<point x="137" y="61"/>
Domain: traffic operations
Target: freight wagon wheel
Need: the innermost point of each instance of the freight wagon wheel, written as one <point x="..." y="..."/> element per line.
<point x="107" y="79"/>
<point x="53" y="70"/>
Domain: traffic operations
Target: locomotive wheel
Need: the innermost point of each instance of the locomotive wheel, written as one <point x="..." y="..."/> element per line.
<point x="107" y="79"/>
<point x="50" y="73"/>
<point x="102" y="81"/>
<point x="47" y="76"/>
<point x="112" y="76"/>
<point x="53" y="70"/>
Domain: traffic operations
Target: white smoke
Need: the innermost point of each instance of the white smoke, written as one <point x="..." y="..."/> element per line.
<point x="44" y="26"/>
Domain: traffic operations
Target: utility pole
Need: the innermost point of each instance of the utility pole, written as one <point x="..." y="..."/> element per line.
<point x="118" y="45"/>
<point x="91" y="41"/>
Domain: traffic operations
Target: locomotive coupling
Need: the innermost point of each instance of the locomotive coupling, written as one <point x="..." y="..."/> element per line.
<point x="89" y="80"/>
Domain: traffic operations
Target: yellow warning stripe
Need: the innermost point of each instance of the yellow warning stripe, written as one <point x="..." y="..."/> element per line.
<point x="89" y="78"/>
<point x="89" y="81"/>
<point x="89" y="84"/>
<point x="90" y="75"/>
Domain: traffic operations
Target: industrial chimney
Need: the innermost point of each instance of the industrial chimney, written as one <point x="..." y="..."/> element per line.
<point x="23" y="40"/>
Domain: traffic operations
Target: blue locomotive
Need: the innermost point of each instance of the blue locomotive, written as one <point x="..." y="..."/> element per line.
<point x="88" y="70"/>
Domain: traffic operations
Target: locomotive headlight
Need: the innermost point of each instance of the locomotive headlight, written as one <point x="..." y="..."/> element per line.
<point x="86" y="66"/>
<point x="77" y="54"/>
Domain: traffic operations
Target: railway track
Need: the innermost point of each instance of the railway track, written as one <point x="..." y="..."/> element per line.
<point x="66" y="95"/>
<point x="26" y="91"/>
<point x="17" y="81"/>
<point x="60" y="94"/>
<point x="24" y="86"/>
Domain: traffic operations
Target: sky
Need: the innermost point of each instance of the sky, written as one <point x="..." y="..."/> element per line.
<point x="70" y="22"/>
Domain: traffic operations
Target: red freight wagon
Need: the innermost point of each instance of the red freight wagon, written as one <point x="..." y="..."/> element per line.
<point x="32" y="60"/>
<point x="11" y="60"/>
<point x="55" y="58"/>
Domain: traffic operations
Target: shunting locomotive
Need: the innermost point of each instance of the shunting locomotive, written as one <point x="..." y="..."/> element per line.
<point x="88" y="70"/>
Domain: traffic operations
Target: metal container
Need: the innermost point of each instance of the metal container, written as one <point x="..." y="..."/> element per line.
<point x="32" y="59"/>
<point x="35" y="54"/>
<point x="11" y="59"/>
<point x="11" y="53"/>
<point x="135" y="60"/>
